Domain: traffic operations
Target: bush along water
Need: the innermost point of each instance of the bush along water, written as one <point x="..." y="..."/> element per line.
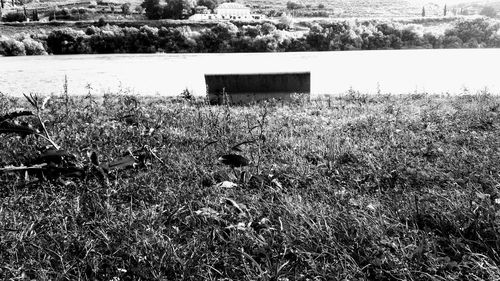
<point x="267" y="37"/>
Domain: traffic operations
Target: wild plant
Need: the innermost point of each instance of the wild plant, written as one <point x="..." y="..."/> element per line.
<point x="39" y="105"/>
<point x="66" y="95"/>
<point x="91" y="108"/>
<point x="55" y="162"/>
<point x="361" y="192"/>
<point x="257" y="135"/>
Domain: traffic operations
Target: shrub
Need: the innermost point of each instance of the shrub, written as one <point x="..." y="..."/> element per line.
<point x="268" y="28"/>
<point x="67" y="41"/>
<point x="60" y="14"/>
<point x="479" y="29"/>
<point x="226" y="37"/>
<point x="178" y="9"/>
<point x="139" y="9"/>
<point x="153" y="9"/>
<point x="14" y="17"/>
<point x="489" y="12"/>
<point x="101" y="22"/>
<point x="285" y="23"/>
<point x="210" y="4"/>
<point x="265" y="43"/>
<point x="33" y="47"/>
<point x="252" y="31"/>
<point x="126" y="8"/>
<point x="290" y="5"/>
<point x="452" y="42"/>
<point x="11" y="47"/>
<point x="175" y="40"/>
<point x="109" y="39"/>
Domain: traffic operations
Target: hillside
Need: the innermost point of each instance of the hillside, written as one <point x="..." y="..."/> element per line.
<point x="333" y="8"/>
<point x="475" y="7"/>
<point x="360" y="8"/>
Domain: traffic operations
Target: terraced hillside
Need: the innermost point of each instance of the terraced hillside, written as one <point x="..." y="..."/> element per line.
<point x="359" y="8"/>
<point x="334" y="8"/>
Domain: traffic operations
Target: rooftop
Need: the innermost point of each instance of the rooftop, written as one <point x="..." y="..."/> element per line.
<point x="231" y="6"/>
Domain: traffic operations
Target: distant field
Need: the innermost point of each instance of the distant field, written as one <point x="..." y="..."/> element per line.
<point x="361" y="8"/>
<point x="335" y="8"/>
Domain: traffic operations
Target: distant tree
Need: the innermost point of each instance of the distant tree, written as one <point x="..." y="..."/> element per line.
<point x="139" y="9"/>
<point x="252" y="31"/>
<point x="35" y="15"/>
<point x="201" y="10"/>
<point x="153" y="9"/>
<point x="210" y="4"/>
<point x="445" y="10"/>
<point x="285" y="22"/>
<point x="290" y="5"/>
<point x="268" y="28"/>
<point x="101" y="22"/>
<point x="217" y="38"/>
<point x="321" y="6"/>
<point x="11" y="47"/>
<point x="178" y="9"/>
<point x="126" y="8"/>
<point x="479" y="29"/>
<point x="423" y="11"/>
<point x="452" y="42"/>
<point x="13" y="17"/>
<point x="489" y="12"/>
<point x="1" y="4"/>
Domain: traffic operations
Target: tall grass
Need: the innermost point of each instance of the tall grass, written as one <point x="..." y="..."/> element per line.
<point x="353" y="187"/>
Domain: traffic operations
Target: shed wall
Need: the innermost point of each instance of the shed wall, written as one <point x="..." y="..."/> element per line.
<point x="243" y="88"/>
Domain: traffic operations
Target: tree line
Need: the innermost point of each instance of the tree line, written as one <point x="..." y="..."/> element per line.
<point x="267" y="37"/>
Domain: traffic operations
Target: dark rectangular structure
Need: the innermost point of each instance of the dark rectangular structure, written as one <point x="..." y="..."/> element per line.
<point x="245" y="88"/>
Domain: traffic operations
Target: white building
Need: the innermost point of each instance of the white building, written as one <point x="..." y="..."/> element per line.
<point x="228" y="11"/>
<point x="232" y="11"/>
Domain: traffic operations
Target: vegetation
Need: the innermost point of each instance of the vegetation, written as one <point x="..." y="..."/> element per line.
<point x="266" y="37"/>
<point x="172" y="9"/>
<point x="489" y="12"/>
<point x="210" y="4"/>
<point x="332" y="8"/>
<point x="14" y="17"/>
<point x="346" y="8"/>
<point x="353" y="187"/>
<point x="126" y="8"/>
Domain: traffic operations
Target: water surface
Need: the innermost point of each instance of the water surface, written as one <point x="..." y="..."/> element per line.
<point x="392" y="71"/>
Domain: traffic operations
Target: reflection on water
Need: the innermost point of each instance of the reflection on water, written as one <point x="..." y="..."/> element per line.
<point x="397" y="71"/>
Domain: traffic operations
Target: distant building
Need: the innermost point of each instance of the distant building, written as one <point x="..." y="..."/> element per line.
<point x="232" y="11"/>
<point x="227" y="11"/>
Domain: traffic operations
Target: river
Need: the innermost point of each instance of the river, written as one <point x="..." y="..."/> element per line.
<point x="392" y="71"/>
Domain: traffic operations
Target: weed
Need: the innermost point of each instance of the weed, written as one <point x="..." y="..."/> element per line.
<point x="353" y="187"/>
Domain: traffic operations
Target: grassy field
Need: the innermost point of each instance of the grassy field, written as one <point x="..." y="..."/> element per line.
<point x="354" y="187"/>
<point x="356" y="8"/>
<point x="336" y="8"/>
